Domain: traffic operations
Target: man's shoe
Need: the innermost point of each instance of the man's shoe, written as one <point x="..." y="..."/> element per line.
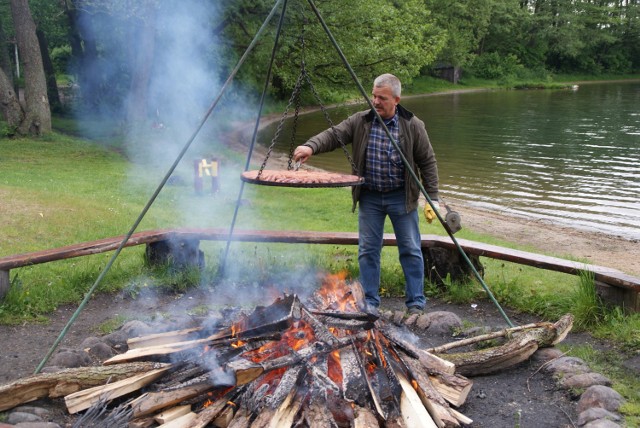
<point x="415" y="311"/>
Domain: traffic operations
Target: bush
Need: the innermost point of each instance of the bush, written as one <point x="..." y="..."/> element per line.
<point x="496" y="67"/>
<point x="60" y="57"/>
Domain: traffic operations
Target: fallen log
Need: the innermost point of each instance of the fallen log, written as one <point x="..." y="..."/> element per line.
<point x="67" y="381"/>
<point x="516" y="350"/>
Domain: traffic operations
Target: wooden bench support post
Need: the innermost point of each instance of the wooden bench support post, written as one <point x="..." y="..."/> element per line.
<point x="442" y="262"/>
<point x="179" y="253"/>
<point x="5" y="282"/>
<point x="625" y="298"/>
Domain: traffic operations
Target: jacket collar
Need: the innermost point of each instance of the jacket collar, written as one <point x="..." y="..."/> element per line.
<point x="402" y="113"/>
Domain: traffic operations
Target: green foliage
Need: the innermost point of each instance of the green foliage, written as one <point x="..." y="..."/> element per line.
<point x="496" y="67"/>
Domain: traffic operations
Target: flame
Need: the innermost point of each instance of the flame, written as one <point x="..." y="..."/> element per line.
<point x="334" y="368"/>
<point x="336" y="294"/>
<point x="207" y="403"/>
<point x="299" y="335"/>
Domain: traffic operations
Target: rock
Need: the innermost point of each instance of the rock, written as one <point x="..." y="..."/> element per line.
<point x="600" y="396"/>
<point x="443" y="322"/>
<point x="101" y="351"/>
<point x="423" y="322"/>
<point x="584" y="380"/>
<point x="117" y="340"/>
<point x="596" y="413"/>
<point x="601" y="423"/>
<point x="398" y="316"/>
<point x="566" y="366"/>
<point x="411" y="320"/>
<point x="40" y="411"/>
<point x="89" y="342"/>
<point x="544" y="355"/>
<point x="18" y="417"/>
<point x="136" y="328"/>
<point x="70" y="358"/>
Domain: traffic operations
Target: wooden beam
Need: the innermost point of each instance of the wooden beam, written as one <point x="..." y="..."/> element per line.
<point x="603" y="274"/>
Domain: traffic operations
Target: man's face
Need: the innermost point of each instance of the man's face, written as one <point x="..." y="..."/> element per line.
<point x="384" y="101"/>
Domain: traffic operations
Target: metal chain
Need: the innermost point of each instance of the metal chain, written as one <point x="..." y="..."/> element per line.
<point x="335" y="133"/>
<point x="295" y="94"/>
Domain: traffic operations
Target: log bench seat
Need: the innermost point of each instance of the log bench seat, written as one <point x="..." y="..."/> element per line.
<point x="616" y="285"/>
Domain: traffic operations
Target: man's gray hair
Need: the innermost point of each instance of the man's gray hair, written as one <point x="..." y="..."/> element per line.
<point x="391" y="81"/>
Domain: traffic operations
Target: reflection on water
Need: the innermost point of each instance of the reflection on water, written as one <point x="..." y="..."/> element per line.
<point x="571" y="157"/>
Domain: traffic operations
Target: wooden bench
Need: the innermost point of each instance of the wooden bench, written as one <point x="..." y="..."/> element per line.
<point x="616" y="286"/>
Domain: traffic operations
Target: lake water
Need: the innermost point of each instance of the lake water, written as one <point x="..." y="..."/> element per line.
<point x="568" y="156"/>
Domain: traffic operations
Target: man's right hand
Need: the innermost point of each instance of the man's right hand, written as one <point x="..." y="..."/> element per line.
<point x="302" y="153"/>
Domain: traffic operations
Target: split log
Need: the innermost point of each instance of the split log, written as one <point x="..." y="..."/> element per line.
<point x="452" y="387"/>
<point x="317" y="415"/>
<point x="152" y="402"/>
<point x="365" y="418"/>
<point x="84" y="399"/>
<point x="284" y="417"/>
<point x="413" y="412"/>
<point x="66" y="382"/>
<point x="518" y="349"/>
<point x="165" y="338"/>
<point x="429" y="360"/>
<point x="171" y="414"/>
<point x="434" y="403"/>
<point x="211" y="412"/>
<point x="241" y="419"/>
<point x="183" y="421"/>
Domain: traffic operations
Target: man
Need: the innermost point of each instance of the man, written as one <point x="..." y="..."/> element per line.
<point x="388" y="189"/>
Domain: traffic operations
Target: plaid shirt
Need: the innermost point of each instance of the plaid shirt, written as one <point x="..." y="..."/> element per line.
<point x="384" y="170"/>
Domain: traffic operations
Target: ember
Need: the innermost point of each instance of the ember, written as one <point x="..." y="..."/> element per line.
<point x="323" y="362"/>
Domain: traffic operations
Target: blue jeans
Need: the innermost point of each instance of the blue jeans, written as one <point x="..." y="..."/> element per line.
<point x="374" y="208"/>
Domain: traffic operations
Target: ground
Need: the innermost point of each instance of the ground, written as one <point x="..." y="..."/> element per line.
<point x="516" y="397"/>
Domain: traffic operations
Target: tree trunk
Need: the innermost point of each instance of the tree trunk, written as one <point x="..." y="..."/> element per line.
<point x="37" y="119"/>
<point x="49" y="72"/>
<point x="10" y="107"/>
<point x="5" y="60"/>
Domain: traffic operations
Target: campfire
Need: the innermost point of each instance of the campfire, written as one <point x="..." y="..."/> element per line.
<point x="321" y="362"/>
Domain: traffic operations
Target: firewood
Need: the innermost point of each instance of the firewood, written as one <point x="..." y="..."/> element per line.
<point x="65" y="382"/>
<point x="152" y="402"/>
<point x="317" y="415"/>
<point x="434" y="403"/>
<point x="173" y="413"/>
<point x="241" y="419"/>
<point x="84" y="399"/>
<point x="452" y="387"/>
<point x="246" y="371"/>
<point x="464" y="420"/>
<point x="413" y="412"/>
<point x="285" y="415"/>
<point x="428" y="359"/>
<point x="157" y="339"/>
<point x="211" y="412"/>
<point x="365" y="418"/>
<point x="184" y="421"/>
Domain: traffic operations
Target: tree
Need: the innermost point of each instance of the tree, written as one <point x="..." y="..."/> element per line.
<point x="35" y="119"/>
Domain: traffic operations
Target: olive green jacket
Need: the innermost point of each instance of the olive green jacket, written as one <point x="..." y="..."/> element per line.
<point x="413" y="141"/>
